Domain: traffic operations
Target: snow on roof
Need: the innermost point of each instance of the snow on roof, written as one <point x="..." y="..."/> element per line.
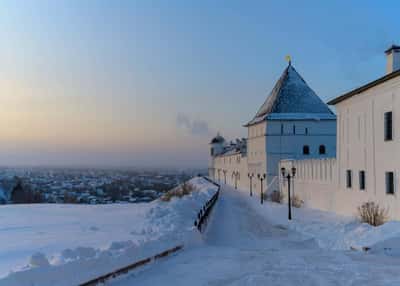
<point x="292" y="96"/>
<point x="301" y="116"/>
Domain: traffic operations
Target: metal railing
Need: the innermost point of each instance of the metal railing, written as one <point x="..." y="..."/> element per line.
<point x="102" y="279"/>
<point x="200" y="223"/>
<point x="202" y="216"/>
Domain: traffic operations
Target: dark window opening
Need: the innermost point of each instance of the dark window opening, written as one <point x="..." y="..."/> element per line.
<point x="361" y="176"/>
<point x="294" y="129"/>
<point x="212" y="151"/>
<point x="306" y="150"/>
<point x="389" y="178"/>
<point x="282" y="129"/>
<point x="348" y="179"/>
<point x="388" y="126"/>
<point x="306" y="131"/>
<point x="322" y="149"/>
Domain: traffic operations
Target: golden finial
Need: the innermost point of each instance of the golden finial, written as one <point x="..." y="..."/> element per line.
<point x="288" y="59"/>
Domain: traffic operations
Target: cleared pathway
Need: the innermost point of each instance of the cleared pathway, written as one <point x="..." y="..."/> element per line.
<point x="243" y="248"/>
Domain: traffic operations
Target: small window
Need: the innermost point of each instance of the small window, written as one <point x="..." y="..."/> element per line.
<point x="282" y="129"/>
<point x="348" y="179"/>
<point x="361" y="177"/>
<point x="306" y="131"/>
<point x="388" y="126"/>
<point x="306" y="150"/>
<point x="322" y="149"/>
<point x="389" y="178"/>
<point x="294" y="129"/>
<point x="212" y="151"/>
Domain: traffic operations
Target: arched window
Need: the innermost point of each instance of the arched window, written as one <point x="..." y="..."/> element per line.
<point x="322" y="149"/>
<point x="306" y="150"/>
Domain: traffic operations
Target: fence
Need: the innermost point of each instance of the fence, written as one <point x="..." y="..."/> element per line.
<point x="125" y="269"/>
<point x="200" y="223"/>
<point x="202" y="216"/>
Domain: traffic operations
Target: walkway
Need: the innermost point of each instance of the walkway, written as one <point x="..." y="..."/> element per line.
<point x="243" y="248"/>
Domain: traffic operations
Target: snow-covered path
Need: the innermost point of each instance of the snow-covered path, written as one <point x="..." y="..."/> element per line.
<point x="241" y="247"/>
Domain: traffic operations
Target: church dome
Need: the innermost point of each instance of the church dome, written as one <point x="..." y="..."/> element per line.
<point x="217" y="139"/>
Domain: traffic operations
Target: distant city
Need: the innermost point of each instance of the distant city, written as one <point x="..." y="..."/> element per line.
<point x="88" y="185"/>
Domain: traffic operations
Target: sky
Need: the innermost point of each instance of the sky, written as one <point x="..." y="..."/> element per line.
<point x="148" y="83"/>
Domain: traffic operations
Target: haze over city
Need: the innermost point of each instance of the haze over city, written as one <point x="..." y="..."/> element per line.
<point x="143" y="83"/>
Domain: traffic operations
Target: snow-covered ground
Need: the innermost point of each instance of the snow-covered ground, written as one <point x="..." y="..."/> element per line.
<point x="50" y="244"/>
<point x="246" y="243"/>
<point x="251" y="244"/>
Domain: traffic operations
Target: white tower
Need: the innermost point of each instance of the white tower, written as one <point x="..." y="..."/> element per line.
<point x="216" y="148"/>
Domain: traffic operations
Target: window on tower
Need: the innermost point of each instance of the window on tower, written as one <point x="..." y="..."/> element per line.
<point x="306" y="150"/>
<point x="322" y="149"/>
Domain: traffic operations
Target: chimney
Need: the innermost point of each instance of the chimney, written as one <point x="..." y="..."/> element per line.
<point x="392" y="59"/>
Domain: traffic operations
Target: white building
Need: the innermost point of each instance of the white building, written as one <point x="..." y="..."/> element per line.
<point x="367" y="165"/>
<point x="292" y="123"/>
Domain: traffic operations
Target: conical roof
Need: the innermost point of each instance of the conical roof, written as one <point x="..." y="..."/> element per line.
<point x="292" y="98"/>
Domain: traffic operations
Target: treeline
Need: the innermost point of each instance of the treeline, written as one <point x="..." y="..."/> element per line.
<point x="23" y="194"/>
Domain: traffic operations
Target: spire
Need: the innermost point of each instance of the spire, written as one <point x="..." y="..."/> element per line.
<point x="288" y="59"/>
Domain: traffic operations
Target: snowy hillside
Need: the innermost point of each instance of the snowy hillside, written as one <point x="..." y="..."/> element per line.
<point x="46" y="242"/>
<point x="249" y="244"/>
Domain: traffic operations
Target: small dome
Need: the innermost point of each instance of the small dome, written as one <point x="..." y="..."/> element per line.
<point x="217" y="139"/>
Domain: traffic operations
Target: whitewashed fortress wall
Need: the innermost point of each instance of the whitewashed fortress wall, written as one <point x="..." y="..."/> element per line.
<point x="367" y="167"/>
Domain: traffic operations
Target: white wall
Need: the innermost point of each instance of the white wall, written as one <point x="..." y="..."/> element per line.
<point x="316" y="184"/>
<point x="230" y="164"/>
<point x="296" y="134"/>
<point x="360" y="147"/>
<point x="361" y="144"/>
<point x="256" y="152"/>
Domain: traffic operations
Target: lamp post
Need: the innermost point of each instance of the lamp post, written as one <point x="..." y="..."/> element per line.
<point x="219" y="173"/>
<point x="224" y="171"/>
<point x="261" y="178"/>
<point x="251" y="185"/>
<point x="236" y="175"/>
<point x="288" y="176"/>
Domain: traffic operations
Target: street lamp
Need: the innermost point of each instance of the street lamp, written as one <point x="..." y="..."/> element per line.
<point x="288" y="176"/>
<point x="224" y="171"/>
<point x="251" y="185"/>
<point x="261" y="178"/>
<point x="236" y="175"/>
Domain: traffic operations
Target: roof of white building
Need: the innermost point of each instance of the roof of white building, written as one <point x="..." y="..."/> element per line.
<point x="365" y="87"/>
<point x="292" y="99"/>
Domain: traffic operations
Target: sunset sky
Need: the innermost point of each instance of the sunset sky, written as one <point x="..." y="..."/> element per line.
<point x="147" y="83"/>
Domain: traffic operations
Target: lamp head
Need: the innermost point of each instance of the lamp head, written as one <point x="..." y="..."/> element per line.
<point x="283" y="171"/>
<point x="293" y="171"/>
<point x="258" y="175"/>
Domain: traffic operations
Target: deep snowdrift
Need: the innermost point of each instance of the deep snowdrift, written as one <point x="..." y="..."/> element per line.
<point x="329" y="230"/>
<point x="44" y="243"/>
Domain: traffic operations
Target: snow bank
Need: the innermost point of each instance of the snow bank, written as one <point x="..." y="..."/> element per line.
<point x="329" y="230"/>
<point x="68" y="244"/>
